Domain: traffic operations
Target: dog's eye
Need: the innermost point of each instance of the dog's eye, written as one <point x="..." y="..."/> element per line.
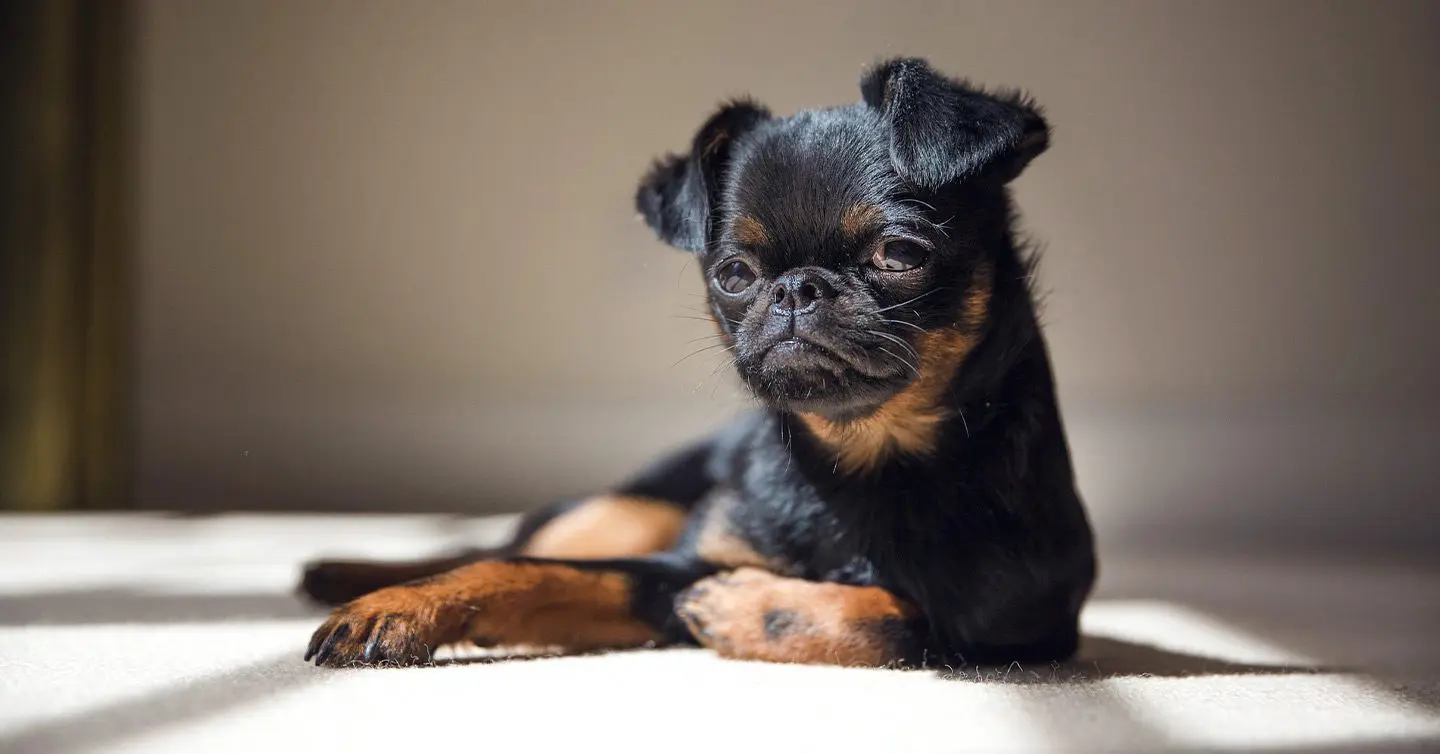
<point x="734" y="277"/>
<point x="898" y="256"/>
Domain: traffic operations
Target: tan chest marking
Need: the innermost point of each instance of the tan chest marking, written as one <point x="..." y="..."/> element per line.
<point x="609" y="526"/>
<point x="909" y="422"/>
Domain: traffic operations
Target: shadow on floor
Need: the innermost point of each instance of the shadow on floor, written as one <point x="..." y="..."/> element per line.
<point x="1068" y="726"/>
<point x="1099" y="658"/>
<point x="185" y="701"/>
<point x="89" y="606"/>
<point x="1102" y="657"/>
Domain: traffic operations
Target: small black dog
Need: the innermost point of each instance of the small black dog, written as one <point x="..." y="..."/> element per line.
<point x="907" y="492"/>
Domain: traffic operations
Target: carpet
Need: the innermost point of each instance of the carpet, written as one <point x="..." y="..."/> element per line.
<point x="146" y="633"/>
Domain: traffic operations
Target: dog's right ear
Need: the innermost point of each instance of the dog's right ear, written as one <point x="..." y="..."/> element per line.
<point x="678" y="195"/>
<point x="942" y="129"/>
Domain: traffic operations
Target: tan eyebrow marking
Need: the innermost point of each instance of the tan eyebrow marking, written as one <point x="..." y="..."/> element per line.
<point x="859" y="218"/>
<point x="747" y="230"/>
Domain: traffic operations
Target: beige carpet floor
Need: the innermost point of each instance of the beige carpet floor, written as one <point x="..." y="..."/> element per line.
<point x="168" y="634"/>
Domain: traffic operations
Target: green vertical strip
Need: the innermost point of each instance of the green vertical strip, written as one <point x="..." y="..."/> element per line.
<point x="63" y="392"/>
<point x="106" y="438"/>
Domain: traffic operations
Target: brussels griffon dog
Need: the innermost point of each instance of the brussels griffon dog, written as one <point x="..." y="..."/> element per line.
<point x="905" y="491"/>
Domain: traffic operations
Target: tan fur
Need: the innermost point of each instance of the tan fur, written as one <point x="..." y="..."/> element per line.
<point x="717" y="542"/>
<point x="747" y="230"/>
<point x="716" y="140"/>
<point x="497" y="603"/>
<point x="544" y="605"/>
<point x="859" y="218"/>
<point x="609" y="526"/>
<point x="824" y="623"/>
<point x="909" y="422"/>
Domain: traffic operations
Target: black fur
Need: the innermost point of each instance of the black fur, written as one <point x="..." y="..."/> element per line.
<point x="945" y="129"/>
<point x="986" y="534"/>
<point x="680" y="190"/>
<point x="981" y="528"/>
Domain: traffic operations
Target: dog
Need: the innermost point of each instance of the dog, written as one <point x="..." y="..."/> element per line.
<point x="904" y="495"/>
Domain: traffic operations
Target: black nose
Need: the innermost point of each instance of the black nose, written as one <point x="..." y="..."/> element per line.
<point x="799" y="291"/>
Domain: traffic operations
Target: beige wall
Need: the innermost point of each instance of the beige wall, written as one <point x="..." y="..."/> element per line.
<point x="389" y="258"/>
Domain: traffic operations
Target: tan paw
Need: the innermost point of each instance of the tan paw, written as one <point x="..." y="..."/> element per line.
<point x="395" y="626"/>
<point x="755" y="615"/>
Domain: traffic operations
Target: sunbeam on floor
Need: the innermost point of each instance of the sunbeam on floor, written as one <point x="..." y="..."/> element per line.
<point x="182" y="635"/>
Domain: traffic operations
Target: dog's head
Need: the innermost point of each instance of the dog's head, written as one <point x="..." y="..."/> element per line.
<point x="848" y="252"/>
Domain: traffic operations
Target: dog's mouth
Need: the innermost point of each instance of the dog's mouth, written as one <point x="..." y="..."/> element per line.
<point x="799" y="352"/>
<point x="800" y="372"/>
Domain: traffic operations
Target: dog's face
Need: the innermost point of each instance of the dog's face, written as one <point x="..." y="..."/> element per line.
<point x="846" y="251"/>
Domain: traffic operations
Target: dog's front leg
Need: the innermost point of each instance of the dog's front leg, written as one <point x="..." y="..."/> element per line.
<point x="573" y="605"/>
<point x="752" y="614"/>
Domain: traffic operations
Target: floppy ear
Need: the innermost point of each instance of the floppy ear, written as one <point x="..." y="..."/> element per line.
<point x="678" y="194"/>
<point x="942" y="129"/>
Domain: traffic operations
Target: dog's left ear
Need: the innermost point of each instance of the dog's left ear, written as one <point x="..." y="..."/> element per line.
<point x="677" y="196"/>
<point x="942" y="130"/>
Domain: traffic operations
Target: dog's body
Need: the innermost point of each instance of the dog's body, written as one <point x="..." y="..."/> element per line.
<point x="906" y="493"/>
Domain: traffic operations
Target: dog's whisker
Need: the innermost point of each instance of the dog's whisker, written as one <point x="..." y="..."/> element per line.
<point x="887" y="336"/>
<point x="911" y="301"/>
<point x="711" y="320"/>
<point x="726" y="363"/>
<point x="902" y="322"/>
<point x="709" y="315"/>
<point x="707" y="336"/>
<point x="711" y="378"/>
<point x="787" y="432"/>
<point x="892" y="355"/>
<point x="697" y="352"/>
<point x="944" y="227"/>
<point x="683" y="268"/>
<point x="715" y="384"/>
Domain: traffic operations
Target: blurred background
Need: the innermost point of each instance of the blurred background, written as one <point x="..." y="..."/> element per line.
<point x="359" y="255"/>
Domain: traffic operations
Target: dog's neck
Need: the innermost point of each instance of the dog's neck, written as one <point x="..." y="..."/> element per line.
<point x="961" y="368"/>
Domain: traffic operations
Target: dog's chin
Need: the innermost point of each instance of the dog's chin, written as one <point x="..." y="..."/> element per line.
<point x="801" y="377"/>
